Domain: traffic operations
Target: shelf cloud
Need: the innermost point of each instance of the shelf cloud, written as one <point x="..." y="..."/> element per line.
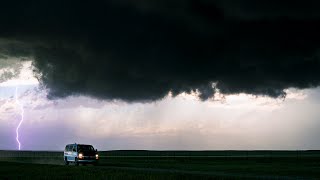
<point x="142" y="50"/>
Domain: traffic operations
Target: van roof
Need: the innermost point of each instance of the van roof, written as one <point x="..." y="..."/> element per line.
<point x="79" y="144"/>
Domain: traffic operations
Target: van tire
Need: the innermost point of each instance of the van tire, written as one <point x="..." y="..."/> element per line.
<point x="76" y="163"/>
<point x="66" y="162"/>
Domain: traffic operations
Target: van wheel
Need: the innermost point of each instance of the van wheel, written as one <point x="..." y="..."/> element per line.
<point x="66" y="162"/>
<point x="76" y="163"/>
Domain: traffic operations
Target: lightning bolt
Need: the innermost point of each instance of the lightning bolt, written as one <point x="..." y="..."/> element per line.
<point x="22" y="117"/>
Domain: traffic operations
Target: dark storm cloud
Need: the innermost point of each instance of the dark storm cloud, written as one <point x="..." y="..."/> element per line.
<point x="141" y="50"/>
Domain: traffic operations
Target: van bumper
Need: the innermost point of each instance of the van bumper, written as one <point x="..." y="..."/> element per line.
<point x="87" y="161"/>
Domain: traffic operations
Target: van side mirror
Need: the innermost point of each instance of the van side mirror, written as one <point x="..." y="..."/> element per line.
<point x="74" y="150"/>
<point x="96" y="150"/>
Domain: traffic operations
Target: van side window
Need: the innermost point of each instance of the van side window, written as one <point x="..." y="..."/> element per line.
<point x="74" y="148"/>
<point x="69" y="148"/>
<point x="66" y="149"/>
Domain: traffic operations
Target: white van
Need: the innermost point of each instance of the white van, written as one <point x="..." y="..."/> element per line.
<point x="80" y="153"/>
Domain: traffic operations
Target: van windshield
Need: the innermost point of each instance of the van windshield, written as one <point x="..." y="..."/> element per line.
<point x="85" y="148"/>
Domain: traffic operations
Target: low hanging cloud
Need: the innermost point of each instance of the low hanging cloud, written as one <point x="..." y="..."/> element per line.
<point x="9" y="68"/>
<point x="142" y="50"/>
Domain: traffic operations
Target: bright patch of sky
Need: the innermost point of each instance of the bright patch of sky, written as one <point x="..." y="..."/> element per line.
<point x="20" y="76"/>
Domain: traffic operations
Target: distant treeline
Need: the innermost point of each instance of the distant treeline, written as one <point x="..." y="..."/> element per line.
<point x="8" y="154"/>
<point x="143" y="153"/>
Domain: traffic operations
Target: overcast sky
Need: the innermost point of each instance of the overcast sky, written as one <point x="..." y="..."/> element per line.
<point x="172" y="123"/>
<point x="162" y="74"/>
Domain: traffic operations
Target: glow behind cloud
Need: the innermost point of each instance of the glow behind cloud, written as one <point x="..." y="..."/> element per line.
<point x="24" y="78"/>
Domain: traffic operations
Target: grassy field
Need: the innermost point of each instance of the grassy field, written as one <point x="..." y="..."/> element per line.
<point x="11" y="170"/>
<point x="167" y="165"/>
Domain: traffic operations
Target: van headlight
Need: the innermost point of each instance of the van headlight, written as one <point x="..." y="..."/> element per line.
<point x="80" y="156"/>
<point x="97" y="156"/>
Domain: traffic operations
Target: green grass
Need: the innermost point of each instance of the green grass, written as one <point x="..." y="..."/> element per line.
<point x="162" y="165"/>
<point x="11" y="170"/>
<point x="238" y="166"/>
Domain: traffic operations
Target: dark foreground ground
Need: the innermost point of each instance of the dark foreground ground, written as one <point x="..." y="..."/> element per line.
<point x="165" y="165"/>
